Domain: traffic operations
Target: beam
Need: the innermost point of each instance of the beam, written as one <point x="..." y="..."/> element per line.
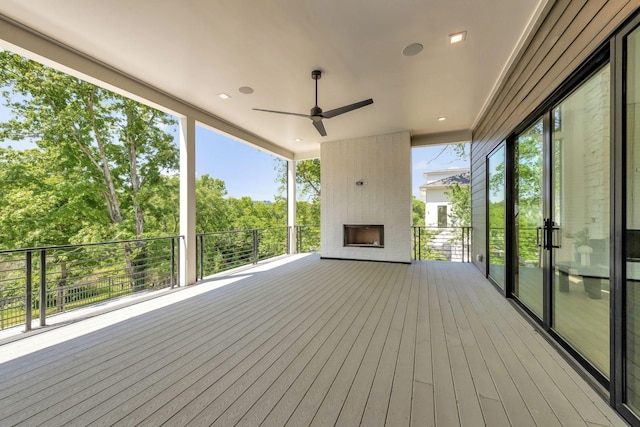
<point x="453" y="137"/>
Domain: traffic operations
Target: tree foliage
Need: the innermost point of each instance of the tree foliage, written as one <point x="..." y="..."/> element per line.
<point x="92" y="141"/>
<point x="460" y="197"/>
<point x="417" y="212"/>
<point x="308" y="189"/>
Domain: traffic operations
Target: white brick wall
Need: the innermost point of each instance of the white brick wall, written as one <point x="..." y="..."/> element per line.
<point x="384" y="163"/>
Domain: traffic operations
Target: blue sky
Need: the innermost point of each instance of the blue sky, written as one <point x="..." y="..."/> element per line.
<point x="245" y="170"/>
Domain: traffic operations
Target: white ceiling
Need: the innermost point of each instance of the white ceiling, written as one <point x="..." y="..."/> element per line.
<point x="196" y="49"/>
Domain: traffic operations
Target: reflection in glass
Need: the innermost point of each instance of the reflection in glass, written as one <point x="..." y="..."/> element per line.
<point x="580" y="207"/>
<point x="497" y="215"/>
<point x="633" y="223"/>
<point x="528" y="217"/>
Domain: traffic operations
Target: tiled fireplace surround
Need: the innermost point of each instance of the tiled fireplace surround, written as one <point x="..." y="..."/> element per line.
<point x="367" y="181"/>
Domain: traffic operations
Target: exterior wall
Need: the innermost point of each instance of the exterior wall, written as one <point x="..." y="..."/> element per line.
<point x="563" y="39"/>
<point x="384" y="164"/>
<point x="434" y="197"/>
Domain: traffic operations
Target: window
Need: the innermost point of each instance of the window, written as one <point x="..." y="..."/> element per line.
<point x="442" y="216"/>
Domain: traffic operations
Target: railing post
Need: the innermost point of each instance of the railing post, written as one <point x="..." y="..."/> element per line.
<point x="173" y="259"/>
<point x="43" y="287"/>
<point x="201" y="256"/>
<point x="469" y="258"/>
<point x="468" y="243"/>
<point x="28" y="297"/>
<point x="420" y="243"/>
<point x="413" y="229"/>
<point x="178" y="258"/>
<point x="255" y="246"/>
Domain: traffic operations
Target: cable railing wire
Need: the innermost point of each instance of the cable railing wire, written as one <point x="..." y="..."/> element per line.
<point x="442" y="243"/>
<point x="41" y="281"/>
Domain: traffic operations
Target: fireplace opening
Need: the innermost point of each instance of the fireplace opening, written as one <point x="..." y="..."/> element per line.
<point x="368" y="236"/>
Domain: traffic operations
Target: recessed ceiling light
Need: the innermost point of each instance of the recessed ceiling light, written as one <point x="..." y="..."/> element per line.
<point x="246" y="90"/>
<point x="298" y="140"/>
<point x="223" y="96"/>
<point x="412" y="50"/>
<point x="442" y="119"/>
<point x="458" y="37"/>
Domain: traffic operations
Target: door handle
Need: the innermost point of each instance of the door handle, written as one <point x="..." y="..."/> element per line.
<point x="538" y="233"/>
<point x="556" y="236"/>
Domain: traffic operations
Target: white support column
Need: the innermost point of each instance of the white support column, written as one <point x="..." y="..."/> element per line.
<point x="188" y="200"/>
<point x="291" y="204"/>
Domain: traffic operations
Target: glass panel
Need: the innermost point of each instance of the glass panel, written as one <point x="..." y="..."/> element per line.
<point x="497" y="215"/>
<point x="633" y="222"/>
<point x="442" y="216"/>
<point x="580" y="186"/>
<point x="528" y="217"/>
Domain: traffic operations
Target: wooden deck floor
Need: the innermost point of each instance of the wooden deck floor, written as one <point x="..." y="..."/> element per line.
<point x="303" y="342"/>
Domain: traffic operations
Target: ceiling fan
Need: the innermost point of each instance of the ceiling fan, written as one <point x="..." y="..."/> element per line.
<point x="316" y="115"/>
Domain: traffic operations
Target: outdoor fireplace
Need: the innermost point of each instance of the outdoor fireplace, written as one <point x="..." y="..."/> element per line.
<point x="368" y="236"/>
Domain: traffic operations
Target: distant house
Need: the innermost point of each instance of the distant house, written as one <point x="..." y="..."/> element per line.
<point x="437" y="209"/>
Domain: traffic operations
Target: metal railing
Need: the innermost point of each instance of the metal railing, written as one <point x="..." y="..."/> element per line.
<point x="442" y="243"/>
<point x="307" y="238"/>
<point x="37" y="282"/>
<point x="225" y="250"/>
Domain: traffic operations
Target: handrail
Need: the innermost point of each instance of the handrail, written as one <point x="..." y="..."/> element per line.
<point x="36" y="248"/>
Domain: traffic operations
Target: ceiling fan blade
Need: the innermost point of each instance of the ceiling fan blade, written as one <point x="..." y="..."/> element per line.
<point x="282" y="112"/>
<point x="336" y="112"/>
<point x="320" y="127"/>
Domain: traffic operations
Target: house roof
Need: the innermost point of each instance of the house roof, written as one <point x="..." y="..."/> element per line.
<point x="461" y="178"/>
<point x="191" y="51"/>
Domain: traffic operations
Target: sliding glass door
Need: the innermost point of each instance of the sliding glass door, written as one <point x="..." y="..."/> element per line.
<point x="562" y="219"/>
<point x="528" y="211"/>
<point x="497" y="214"/>
<point x="580" y="211"/>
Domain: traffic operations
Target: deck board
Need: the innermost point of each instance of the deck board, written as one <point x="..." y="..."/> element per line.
<point x="303" y="341"/>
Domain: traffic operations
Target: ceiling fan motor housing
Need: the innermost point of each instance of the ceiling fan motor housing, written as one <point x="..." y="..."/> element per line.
<point x="316" y="112"/>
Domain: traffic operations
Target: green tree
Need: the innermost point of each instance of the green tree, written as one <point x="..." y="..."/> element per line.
<point x="417" y="214"/>
<point x="307" y="178"/>
<point x="460" y="197"/>
<point x="89" y="135"/>
<point x="41" y="204"/>
<point x="212" y="209"/>
<point x="94" y="139"/>
<point x="308" y="188"/>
